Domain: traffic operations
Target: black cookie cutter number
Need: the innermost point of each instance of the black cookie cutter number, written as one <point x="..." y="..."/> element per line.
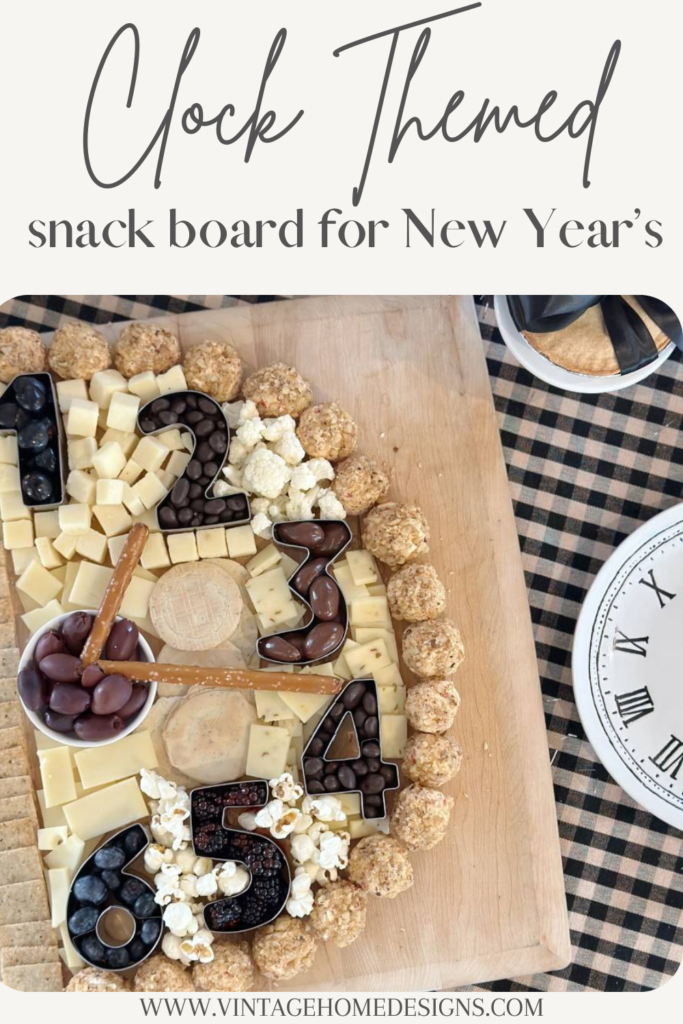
<point x="41" y="455"/>
<point x="366" y="774"/>
<point x="270" y="878"/>
<point x="129" y="899"/>
<point x="158" y="416"/>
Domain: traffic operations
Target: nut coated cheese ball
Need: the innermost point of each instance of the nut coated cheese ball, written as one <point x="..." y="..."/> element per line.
<point x="145" y="346"/>
<point x="21" y="351"/>
<point x="416" y="593"/>
<point x="430" y="759"/>
<point x="285" y="948"/>
<point x="421" y="817"/>
<point x="433" y="649"/>
<point x="77" y="352"/>
<point x="339" y="913"/>
<point x="395" y="533"/>
<point x="381" y="865"/>
<point x="92" y="979"/>
<point x="159" y="974"/>
<point x="231" y="970"/>
<point x="278" y="390"/>
<point x="327" y="432"/>
<point x="360" y="483"/>
<point x="432" y="706"/>
<point x="215" y="368"/>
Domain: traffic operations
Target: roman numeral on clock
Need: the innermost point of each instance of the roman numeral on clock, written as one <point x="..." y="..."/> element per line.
<point x="670" y="757"/>
<point x="634" y="705"/>
<point x="662" y="595"/>
<point x="630" y="644"/>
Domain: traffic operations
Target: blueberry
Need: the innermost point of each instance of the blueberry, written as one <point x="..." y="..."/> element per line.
<point x="92" y="949"/>
<point x="8" y="414"/>
<point x="112" y="879"/>
<point x="90" y="889"/>
<point x="149" y="933"/>
<point x="118" y="959"/>
<point x="46" y="460"/>
<point x="83" y="921"/>
<point x="36" y="487"/>
<point x="138" y="951"/>
<point x="36" y="435"/>
<point x="30" y="394"/>
<point x="110" y="857"/>
<point x="145" y="906"/>
<point x="134" y="842"/>
<point x="131" y="889"/>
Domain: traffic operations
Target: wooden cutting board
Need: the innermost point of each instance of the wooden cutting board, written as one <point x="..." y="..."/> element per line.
<point x="489" y="901"/>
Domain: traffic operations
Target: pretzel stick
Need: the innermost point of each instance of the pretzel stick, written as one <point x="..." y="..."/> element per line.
<point x="239" y="678"/>
<point x="113" y="595"/>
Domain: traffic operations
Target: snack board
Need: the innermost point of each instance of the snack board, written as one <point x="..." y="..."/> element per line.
<point x="489" y="899"/>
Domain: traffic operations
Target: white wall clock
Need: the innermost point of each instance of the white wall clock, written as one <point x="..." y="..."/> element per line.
<point x="627" y="665"/>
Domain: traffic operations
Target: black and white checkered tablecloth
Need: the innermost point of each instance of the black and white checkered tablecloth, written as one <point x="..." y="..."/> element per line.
<point x="584" y="472"/>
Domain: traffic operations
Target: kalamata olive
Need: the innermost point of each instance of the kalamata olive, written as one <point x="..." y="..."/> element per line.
<point x="49" y="643"/>
<point x="307" y="574"/>
<point x="60" y="723"/>
<point x="68" y="699"/>
<point x="91" y="676"/>
<point x="305" y="535"/>
<point x="61" y="668"/>
<point x="75" y="631"/>
<point x="111" y="694"/>
<point x="98" y="727"/>
<point x="33" y="687"/>
<point x="324" y="598"/>
<point x="122" y="641"/>
<point x="136" y="701"/>
<point x="335" y="537"/>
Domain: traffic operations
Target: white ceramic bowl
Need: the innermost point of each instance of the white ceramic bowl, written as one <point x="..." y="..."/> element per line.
<point x="65" y="738"/>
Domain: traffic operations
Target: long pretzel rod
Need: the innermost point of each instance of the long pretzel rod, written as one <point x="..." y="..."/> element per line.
<point x="229" y="678"/>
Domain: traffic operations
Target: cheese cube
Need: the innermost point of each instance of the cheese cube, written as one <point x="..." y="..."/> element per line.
<point x="65" y="544"/>
<point x="362" y="567"/>
<point x="9" y="478"/>
<point x="318" y="670"/>
<point x="92" y="545"/>
<point x="350" y="590"/>
<point x="187" y="439"/>
<point x="131" y="500"/>
<point x="270" y="706"/>
<point x="149" y="518"/>
<point x="68" y="951"/>
<point x="266" y="559"/>
<point x="268" y="590"/>
<point x="113" y="519"/>
<point x="81" y="486"/>
<point x="56" y="772"/>
<point x="305" y="705"/>
<point x="389" y="675"/>
<point x="360" y="827"/>
<point x="172" y="439"/>
<point x="135" y="604"/>
<point x="50" y="838"/>
<point x="74" y="519"/>
<point x="130" y="473"/>
<point x="58" y="881"/>
<point x="363" y="634"/>
<point x="9" y="452"/>
<point x="67" y="856"/>
<point x="81" y="452"/>
<point x="241" y="541"/>
<point x="89" y="585"/>
<point x="267" y="753"/>
<point x="392" y="699"/>
<point x="116" y="546"/>
<point x="155" y="554"/>
<point x="370" y="611"/>
<point x="109" y="461"/>
<point x="81" y="420"/>
<point x="394" y="733"/>
<point x="39" y="617"/>
<point x="98" y="766"/>
<point x="177" y="464"/>
<point x="102" y="419"/>
<point x="149" y="490"/>
<point x="110" y="492"/>
<point x="167" y="479"/>
<point x="144" y="385"/>
<point x="182" y="547"/>
<point x="17" y="534"/>
<point x="69" y="580"/>
<point x="365" y="659"/>
<point x="350" y="803"/>
<point x="172" y="380"/>
<point x="123" y="412"/>
<point x="104" y="385"/>
<point x="51" y="817"/>
<point x="49" y="558"/>
<point x="21" y="557"/>
<point x="67" y="390"/>
<point x="150" y="454"/>
<point x="46" y="524"/>
<point x="127" y="440"/>
<point x="106" y="810"/>
<point x="211" y="543"/>
<point x="284" y="614"/>
<point x="12" y="506"/>
<point x="377" y="589"/>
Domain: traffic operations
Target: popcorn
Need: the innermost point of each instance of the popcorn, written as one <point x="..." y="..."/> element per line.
<point x="232" y="878"/>
<point x="286" y="824"/>
<point x="334" y="849"/>
<point x="302" y="848"/>
<point x="155" y="856"/>
<point x="188" y="885"/>
<point x="203" y="866"/>
<point x="303" y="823"/>
<point x="323" y="807"/>
<point x="206" y="885"/>
<point x="156" y="787"/>
<point x="247" y="821"/>
<point x="197" y="947"/>
<point x="180" y="920"/>
<point x="300" y="902"/>
<point x="286" y="789"/>
<point x="275" y="429"/>
<point x="185" y="859"/>
<point x="268" y="815"/>
<point x="170" y="946"/>
<point x="289" y="447"/>
<point x="167" y="882"/>
<point x="266" y="473"/>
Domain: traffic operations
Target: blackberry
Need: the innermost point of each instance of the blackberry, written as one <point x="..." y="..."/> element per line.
<point x="249" y="794"/>
<point x="223" y="915"/>
<point x="266" y="889"/>
<point x="256" y="912"/>
<point x="206" y="808"/>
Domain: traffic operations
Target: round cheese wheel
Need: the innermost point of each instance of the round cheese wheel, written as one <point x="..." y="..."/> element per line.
<point x="195" y="606"/>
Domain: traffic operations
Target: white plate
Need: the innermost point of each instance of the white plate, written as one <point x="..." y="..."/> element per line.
<point x="542" y="367"/>
<point x="627" y="662"/>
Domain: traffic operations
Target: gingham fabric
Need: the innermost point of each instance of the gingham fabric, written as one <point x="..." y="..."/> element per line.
<point x="584" y="472"/>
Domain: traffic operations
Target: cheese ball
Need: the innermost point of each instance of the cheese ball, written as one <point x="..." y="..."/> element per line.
<point x="326" y="431"/>
<point x="416" y="593"/>
<point x="360" y="483"/>
<point x="278" y="390"/>
<point x="21" y="351"/>
<point x="432" y="706"/>
<point x="433" y="649"/>
<point x="159" y="974"/>
<point x="145" y="346"/>
<point x="339" y="913"/>
<point x="231" y="970"/>
<point x="215" y="368"/>
<point x="285" y="948"/>
<point x="395" y="533"/>
<point x="381" y="865"/>
<point x="92" y="979"/>
<point x="421" y="817"/>
<point x="430" y="759"/>
<point x="78" y="351"/>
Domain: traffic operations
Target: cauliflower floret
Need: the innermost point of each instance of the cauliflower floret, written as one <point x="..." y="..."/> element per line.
<point x="232" y="412"/>
<point x="251" y="432"/>
<point x="274" y="429"/>
<point x="321" y="469"/>
<point x="266" y="473"/>
<point x="234" y="477"/>
<point x="302" y="479"/>
<point x="248" y="411"/>
<point x="260" y="505"/>
<point x="299" y="507"/>
<point x="289" y="447"/>
<point x="261" y="525"/>
<point x="238" y="452"/>
<point x="330" y="506"/>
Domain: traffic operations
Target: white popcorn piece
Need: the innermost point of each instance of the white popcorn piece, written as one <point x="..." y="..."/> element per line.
<point x="197" y="947"/>
<point x="155" y="856"/>
<point x="232" y="879"/>
<point x="206" y="885"/>
<point x="179" y="919"/>
<point x="302" y="848"/>
<point x="300" y="903"/>
<point x="303" y="823"/>
<point x="268" y="815"/>
<point x="203" y="866"/>
<point x="323" y="807"/>
<point x="188" y="885"/>
<point x="170" y="945"/>
<point x="186" y="860"/>
<point x="286" y="789"/>
<point x="285" y="825"/>
<point x="247" y="821"/>
<point x="156" y="786"/>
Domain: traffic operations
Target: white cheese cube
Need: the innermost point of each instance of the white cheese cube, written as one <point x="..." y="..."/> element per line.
<point x="113" y="519"/>
<point x="92" y="545"/>
<point x="241" y="541"/>
<point x="149" y="518"/>
<point x="81" y="452"/>
<point x="361" y="827"/>
<point x="266" y="559"/>
<point x="116" y="546"/>
<point x="110" y="492"/>
<point x="271" y="708"/>
<point x="155" y="554"/>
<point x="21" y="557"/>
<point x="267" y="753"/>
<point x="392" y="699"/>
<point x="123" y="412"/>
<point x="389" y="675"/>
<point x="68" y="951"/>
<point x="17" y="534"/>
<point x="278" y="613"/>
<point x="350" y="803"/>
<point x="9" y="478"/>
<point x="182" y="547"/>
<point x="46" y="524"/>
<point x="130" y="473"/>
<point x="67" y="390"/>
<point x="74" y="519"/>
<point x="177" y="464"/>
<point x="68" y="856"/>
<point x="211" y="543"/>
<point x="109" y="461"/>
<point x="89" y="585"/>
<point x="144" y="385"/>
<point x="104" y="385"/>
<point x="106" y="810"/>
<point x="351" y="591"/>
<point x="268" y="589"/>
<point x="69" y="580"/>
<point x="37" y="582"/>
<point x="172" y="380"/>
<point x="370" y="611"/>
<point x="65" y="544"/>
<point x="39" y="617"/>
<point x="149" y="490"/>
<point x="131" y="500"/>
<point x="127" y="440"/>
<point x="81" y="420"/>
<point x="365" y="659"/>
<point x="50" y="838"/>
<point x="150" y="454"/>
<point x="81" y="486"/>
<point x="9" y="452"/>
<point x="98" y="766"/>
<point x="362" y="567"/>
<point x="49" y="558"/>
<point x="135" y="604"/>
<point x="305" y="705"/>
<point x="57" y="774"/>
<point x="167" y="479"/>
<point x="172" y="439"/>
<point x="187" y="439"/>
<point x="394" y="733"/>
<point x="12" y="506"/>
<point x="58" y="881"/>
<point x="362" y="634"/>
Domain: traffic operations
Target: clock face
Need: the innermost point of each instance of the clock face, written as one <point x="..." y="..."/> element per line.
<point x="627" y="665"/>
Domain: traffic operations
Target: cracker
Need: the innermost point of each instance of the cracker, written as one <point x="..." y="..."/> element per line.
<point x="23" y="901"/>
<point x="6" y="609"/>
<point x="22" y="865"/>
<point x="25" y="956"/>
<point x="9" y="661"/>
<point x="8" y="689"/>
<point x="15" y="834"/>
<point x="195" y="606"/>
<point x="10" y="714"/>
<point x="35" y="978"/>
<point x="7" y="634"/>
<point x="17" y="807"/>
<point x="12" y="737"/>
<point x="17" y="786"/>
<point x="30" y="933"/>
<point x="13" y="762"/>
<point x="246" y="634"/>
